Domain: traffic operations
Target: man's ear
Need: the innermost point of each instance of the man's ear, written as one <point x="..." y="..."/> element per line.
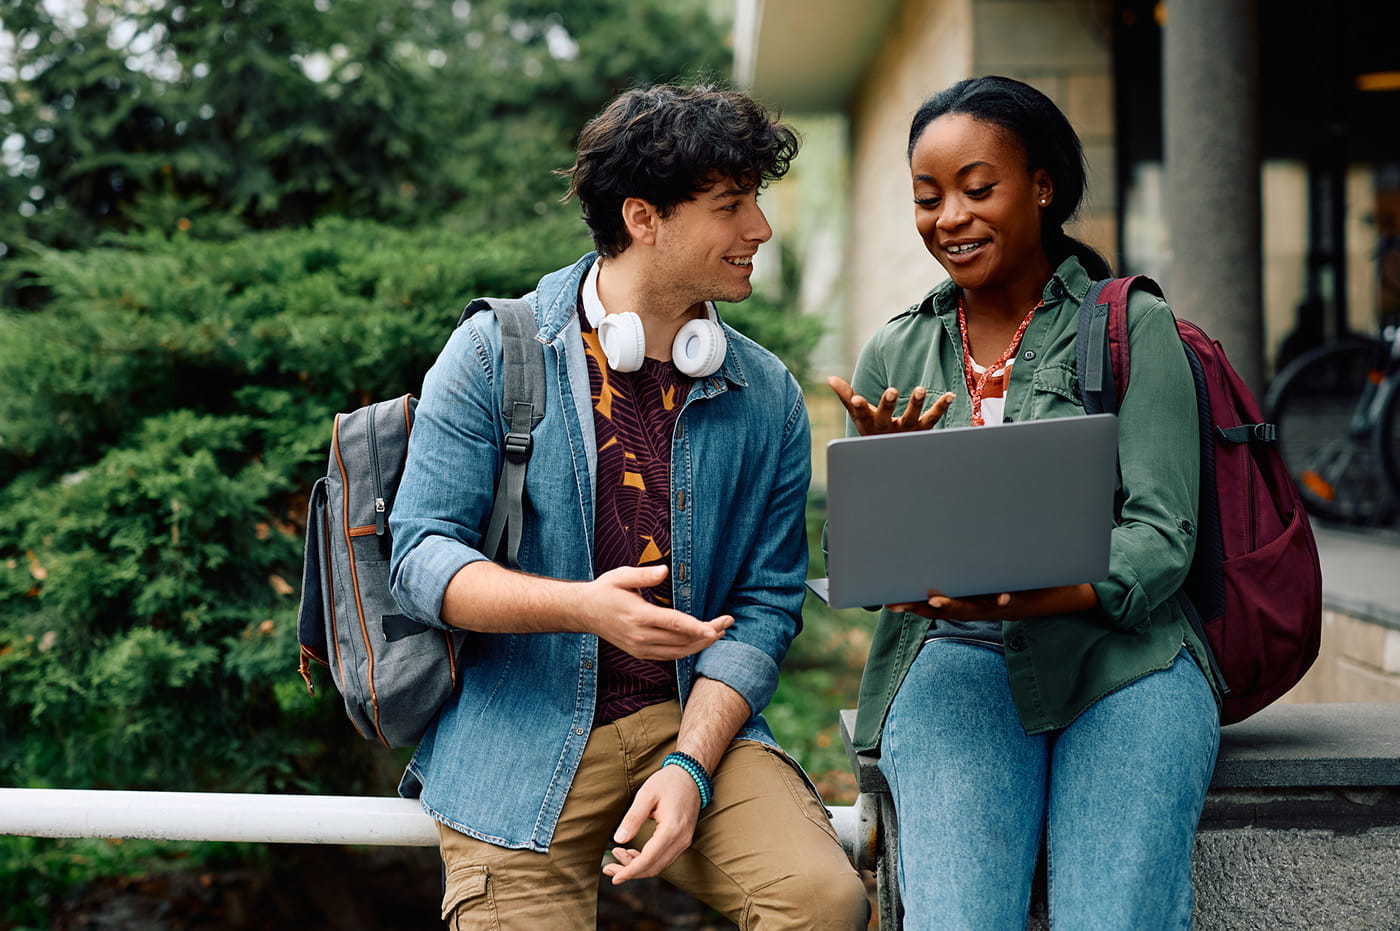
<point x="641" y="219"/>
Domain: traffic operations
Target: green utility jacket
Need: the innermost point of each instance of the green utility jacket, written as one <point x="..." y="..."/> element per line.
<point x="1059" y="665"/>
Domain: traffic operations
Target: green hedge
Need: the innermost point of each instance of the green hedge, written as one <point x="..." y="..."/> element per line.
<point x="164" y="415"/>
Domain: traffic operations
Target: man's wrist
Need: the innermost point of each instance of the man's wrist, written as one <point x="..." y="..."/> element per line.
<point x="697" y="772"/>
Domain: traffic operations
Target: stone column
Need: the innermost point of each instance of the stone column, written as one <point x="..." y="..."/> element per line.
<point x="1210" y="80"/>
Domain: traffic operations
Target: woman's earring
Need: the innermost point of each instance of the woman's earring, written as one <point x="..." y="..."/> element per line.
<point x="1043" y="202"/>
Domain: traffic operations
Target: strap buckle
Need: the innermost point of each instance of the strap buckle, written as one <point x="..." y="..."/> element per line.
<point x="1265" y="433"/>
<point x="518" y="446"/>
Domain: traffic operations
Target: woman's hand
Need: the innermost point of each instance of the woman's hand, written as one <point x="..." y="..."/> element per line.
<point x="880" y="418"/>
<point x="1005" y="606"/>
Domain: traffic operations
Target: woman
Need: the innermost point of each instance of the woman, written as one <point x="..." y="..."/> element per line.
<point x="1077" y="715"/>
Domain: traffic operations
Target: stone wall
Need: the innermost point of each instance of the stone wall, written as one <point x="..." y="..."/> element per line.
<point x="1359" y="661"/>
<point x="1300" y="859"/>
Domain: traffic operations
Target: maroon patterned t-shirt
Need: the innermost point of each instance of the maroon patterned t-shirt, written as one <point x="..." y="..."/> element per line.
<point x="634" y="414"/>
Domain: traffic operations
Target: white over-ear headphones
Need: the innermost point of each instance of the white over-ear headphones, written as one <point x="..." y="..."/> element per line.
<point x="698" y="349"/>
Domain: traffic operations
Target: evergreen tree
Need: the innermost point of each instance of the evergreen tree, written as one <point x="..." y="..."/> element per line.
<point x="119" y="114"/>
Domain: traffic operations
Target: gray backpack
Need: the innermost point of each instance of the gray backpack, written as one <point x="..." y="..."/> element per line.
<point x="394" y="672"/>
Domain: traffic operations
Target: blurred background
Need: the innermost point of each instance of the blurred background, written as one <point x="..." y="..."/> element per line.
<point x="222" y="221"/>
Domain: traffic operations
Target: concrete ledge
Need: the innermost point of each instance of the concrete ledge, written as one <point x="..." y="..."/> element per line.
<point x="865" y="766"/>
<point x="1339" y="811"/>
<point x="1337" y="744"/>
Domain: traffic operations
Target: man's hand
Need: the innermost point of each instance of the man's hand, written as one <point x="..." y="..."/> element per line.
<point x="493" y="599"/>
<point x="880" y="418"/>
<point x="671" y="799"/>
<point x="625" y="619"/>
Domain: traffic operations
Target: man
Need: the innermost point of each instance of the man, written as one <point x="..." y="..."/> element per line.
<point x="611" y="692"/>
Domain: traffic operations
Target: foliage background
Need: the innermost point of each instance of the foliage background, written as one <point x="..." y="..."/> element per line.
<point x="221" y="222"/>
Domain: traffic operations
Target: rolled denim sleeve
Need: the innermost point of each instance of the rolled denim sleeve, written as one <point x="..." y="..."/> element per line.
<point x="1159" y="460"/>
<point x="767" y="594"/>
<point x="440" y="513"/>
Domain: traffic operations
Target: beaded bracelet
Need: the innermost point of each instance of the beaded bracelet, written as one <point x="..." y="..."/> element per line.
<point x="697" y="772"/>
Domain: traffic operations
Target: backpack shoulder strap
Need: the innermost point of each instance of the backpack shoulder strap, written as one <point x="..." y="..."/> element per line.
<point x="523" y="404"/>
<point x="1101" y="345"/>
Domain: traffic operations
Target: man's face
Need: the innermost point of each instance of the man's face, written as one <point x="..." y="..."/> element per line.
<point x="705" y="248"/>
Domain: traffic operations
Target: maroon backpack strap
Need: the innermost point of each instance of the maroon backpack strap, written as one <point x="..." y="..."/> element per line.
<point x="1115" y="296"/>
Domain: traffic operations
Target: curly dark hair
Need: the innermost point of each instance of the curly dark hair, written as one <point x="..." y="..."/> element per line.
<point x="666" y="144"/>
<point x="1047" y="137"/>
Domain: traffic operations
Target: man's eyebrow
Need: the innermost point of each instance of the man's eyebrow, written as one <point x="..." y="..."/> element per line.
<point x="728" y="193"/>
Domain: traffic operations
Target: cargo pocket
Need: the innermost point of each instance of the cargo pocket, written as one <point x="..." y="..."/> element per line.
<point x="804" y="793"/>
<point x="467" y="900"/>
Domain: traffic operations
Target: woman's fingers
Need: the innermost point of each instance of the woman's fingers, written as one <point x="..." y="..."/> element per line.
<point x="909" y="420"/>
<point x="856" y="406"/>
<point x="936" y="412"/>
<point x="843" y="389"/>
<point x="881" y="417"/>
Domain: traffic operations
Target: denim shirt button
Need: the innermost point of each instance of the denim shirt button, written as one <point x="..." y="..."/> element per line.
<point x="578" y="731"/>
<point x="1028" y="355"/>
<point x="588" y="664"/>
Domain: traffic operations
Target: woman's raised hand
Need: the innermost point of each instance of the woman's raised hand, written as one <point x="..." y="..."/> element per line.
<point x="881" y="417"/>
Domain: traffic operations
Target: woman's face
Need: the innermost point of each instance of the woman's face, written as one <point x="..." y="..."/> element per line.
<point x="976" y="204"/>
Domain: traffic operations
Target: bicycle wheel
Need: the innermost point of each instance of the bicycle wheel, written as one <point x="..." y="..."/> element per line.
<point x="1326" y="442"/>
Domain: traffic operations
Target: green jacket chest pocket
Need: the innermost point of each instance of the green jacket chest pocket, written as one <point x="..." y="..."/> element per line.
<point x="1054" y="392"/>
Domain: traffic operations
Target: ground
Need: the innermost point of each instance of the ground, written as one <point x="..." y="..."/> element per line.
<point x="335" y="889"/>
<point x="332" y="889"/>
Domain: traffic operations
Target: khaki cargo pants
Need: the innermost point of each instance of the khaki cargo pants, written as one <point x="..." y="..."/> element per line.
<point x="764" y="853"/>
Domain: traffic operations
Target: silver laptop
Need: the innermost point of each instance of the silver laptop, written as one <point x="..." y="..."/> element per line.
<point x="969" y="510"/>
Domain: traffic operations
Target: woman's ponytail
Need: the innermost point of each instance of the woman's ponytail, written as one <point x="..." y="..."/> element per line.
<point x="1059" y="246"/>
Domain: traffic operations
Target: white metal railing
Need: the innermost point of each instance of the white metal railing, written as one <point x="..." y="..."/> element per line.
<point x="271" y="819"/>
<point x="210" y="816"/>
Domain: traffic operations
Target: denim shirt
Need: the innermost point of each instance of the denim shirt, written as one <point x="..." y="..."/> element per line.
<point x="1058" y="665"/>
<point x="498" y="761"/>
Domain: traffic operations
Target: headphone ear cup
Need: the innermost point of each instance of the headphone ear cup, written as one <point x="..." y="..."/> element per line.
<point x="699" y="348"/>
<point x="624" y="341"/>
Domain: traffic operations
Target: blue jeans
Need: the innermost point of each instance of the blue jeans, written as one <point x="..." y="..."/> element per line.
<point x="1118" y="795"/>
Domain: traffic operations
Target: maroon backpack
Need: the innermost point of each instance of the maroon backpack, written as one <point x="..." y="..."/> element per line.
<point x="1254" y="590"/>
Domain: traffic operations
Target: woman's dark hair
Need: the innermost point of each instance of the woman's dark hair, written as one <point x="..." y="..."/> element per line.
<point x="1048" y="139"/>
<point x="665" y="144"/>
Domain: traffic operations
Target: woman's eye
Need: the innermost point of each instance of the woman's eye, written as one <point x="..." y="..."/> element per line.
<point x="926" y="201"/>
<point x="981" y="191"/>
